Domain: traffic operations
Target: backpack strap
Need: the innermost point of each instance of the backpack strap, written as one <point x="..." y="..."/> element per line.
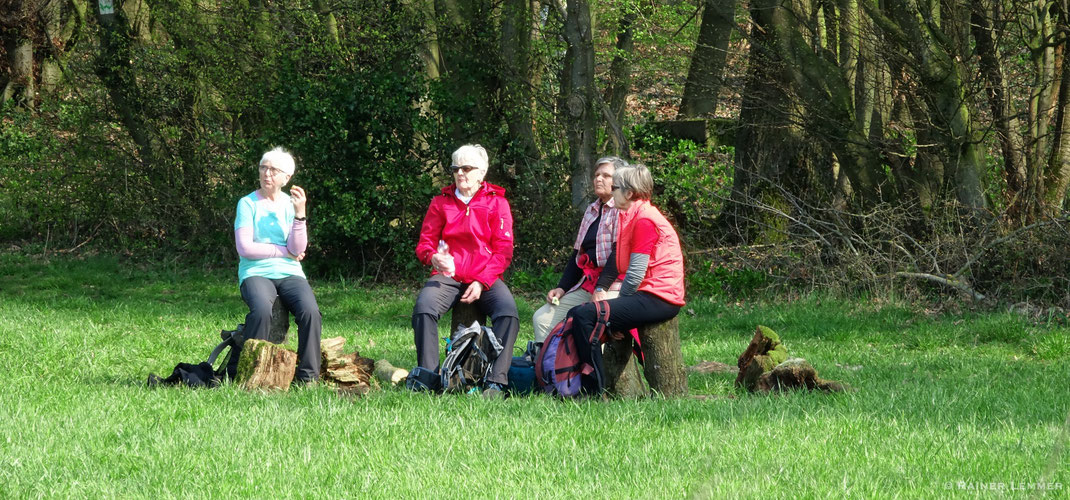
<point x="601" y="324"/>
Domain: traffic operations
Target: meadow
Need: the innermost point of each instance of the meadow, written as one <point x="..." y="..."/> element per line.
<point x="969" y="403"/>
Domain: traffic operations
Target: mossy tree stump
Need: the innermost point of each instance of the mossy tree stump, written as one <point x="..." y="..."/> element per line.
<point x="465" y="314"/>
<point x="264" y="365"/>
<point x="663" y="364"/>
<point x="764" y="352"/>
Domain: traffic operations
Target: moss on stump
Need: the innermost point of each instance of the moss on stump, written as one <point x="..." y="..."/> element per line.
<point x="265" y="366"/>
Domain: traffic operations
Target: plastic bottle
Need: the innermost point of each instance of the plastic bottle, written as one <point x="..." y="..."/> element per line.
<point x="448" y="268"/>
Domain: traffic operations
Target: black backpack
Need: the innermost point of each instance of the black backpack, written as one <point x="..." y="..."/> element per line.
<point x="203" y="374"/>
<point x="470" y="354"/>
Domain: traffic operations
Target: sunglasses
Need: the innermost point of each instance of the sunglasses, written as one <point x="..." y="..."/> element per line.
<point x="465" y="168"/>
<point x="615" y="187"/>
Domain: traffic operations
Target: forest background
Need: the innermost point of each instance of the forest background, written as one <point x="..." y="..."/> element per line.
<point x="914" y="146"/>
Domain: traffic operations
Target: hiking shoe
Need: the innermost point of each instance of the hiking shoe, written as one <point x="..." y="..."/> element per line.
<point x="494" y="391"/>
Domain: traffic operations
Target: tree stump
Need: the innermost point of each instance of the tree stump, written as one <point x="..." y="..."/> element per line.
<point x="280" y="322"/>
<point x="622" y="375"/>
<point x="764" y="352"/>
<point x="264" y="365"/>
<point x="664" y="361"/>
<point x="350" y="374"/>
<point x="465" y="314"/>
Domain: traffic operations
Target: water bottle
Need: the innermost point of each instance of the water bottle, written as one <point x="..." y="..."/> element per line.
<point x="448" y="268"/>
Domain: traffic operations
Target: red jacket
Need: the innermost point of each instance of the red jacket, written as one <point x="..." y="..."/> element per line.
<point x="665" y="271"/>
<point x="480" y="234"/>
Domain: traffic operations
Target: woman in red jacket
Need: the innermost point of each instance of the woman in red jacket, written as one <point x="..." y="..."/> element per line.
<point x="649" y="249"/>
<point x="467" y="239"/>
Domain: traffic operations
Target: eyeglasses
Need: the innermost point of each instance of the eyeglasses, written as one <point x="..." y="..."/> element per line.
<point x="615" y="187"/>
<point x="464" y="168"/>
<point x="272" y="171"/>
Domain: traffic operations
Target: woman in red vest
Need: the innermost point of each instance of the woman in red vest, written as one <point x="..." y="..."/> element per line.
<point x="649" y="249"/>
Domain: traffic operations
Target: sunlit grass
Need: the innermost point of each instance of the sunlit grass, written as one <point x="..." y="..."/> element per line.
<point x="960" y="400"/>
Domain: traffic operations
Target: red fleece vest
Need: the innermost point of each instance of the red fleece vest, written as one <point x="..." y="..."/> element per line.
<point x="665" y="272"/>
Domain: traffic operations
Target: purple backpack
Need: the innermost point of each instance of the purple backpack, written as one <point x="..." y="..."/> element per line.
<point x="560" y="366"/>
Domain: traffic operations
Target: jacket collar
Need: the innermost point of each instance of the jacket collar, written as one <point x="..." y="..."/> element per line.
<point x="488" y="188"/>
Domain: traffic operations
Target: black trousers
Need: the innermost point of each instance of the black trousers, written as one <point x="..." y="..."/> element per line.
<point x="625" y="313"/>
<point x="260" y="294"/>
<point x="439" y="295"/>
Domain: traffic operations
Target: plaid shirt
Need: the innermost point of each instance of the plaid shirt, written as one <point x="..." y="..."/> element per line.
<point x="607" y="230"/>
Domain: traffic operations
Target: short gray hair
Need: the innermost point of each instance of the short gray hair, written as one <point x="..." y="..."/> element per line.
<point x="636" y="179"/>
<point x="280" y="159"/>
<point x="471" y="155"/>
<point x="616" y="161"/>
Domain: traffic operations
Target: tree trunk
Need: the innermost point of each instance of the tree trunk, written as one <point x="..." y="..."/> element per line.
<point x="578" y="98"/>
<point x="664" y="361"/>
<point x="1005" y="120"/>
<point x="622" y="376"/>
<point x="707" y="61"/>
<point x="113" y="66"/>
<point x="515" y="45"/>
<point x="1057" y="174"/>
<point x="19" y="88"/>
<point x="620" y="84"/>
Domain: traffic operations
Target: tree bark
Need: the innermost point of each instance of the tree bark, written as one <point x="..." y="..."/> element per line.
<point x="265" y="366"/>
<point x="622" y="376"/>
<point x="620" y="84"/>
<point x="578" y="96"/>
<point x="517" y="28"/>
<point x="1005" y="120"/>
<point x="20" y="87"/>
<point x="664" y="361"/>
<point x="706" y="71"/>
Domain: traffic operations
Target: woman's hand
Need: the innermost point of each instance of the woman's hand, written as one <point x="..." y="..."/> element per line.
<point x="554" y="296"/>
<point x="472" y="293"/>
<point x="297" y="196"/>
<point x="440" y="261"/>
<point x="599" y="295"/>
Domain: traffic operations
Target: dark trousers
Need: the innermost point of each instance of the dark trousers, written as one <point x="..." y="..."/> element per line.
<point x="439" y="295"/>
<point x="625" y="313"/>
<point x="260" y="294"/>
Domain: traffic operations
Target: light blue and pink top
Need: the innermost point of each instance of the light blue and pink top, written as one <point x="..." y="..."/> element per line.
<point x="265" y="233"/>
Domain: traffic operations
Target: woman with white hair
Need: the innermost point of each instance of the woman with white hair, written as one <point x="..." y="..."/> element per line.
<point x="591" y="269"/>
<point x="467" y="239"/>
<point x="271" y="235"/>
<point x="648" y="248"/>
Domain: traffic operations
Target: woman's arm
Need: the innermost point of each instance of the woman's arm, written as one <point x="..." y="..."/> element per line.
<point x="572" y="273"/>
<point x="243" y="242"/>
<point x="297" y="242"/>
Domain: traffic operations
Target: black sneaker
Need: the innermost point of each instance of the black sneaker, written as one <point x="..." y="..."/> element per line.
<point x="494" y="391"/>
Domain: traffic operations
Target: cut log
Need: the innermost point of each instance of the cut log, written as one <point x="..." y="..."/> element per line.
<point x="265" y="366"/>
<point x="664" y="361"/>
<point x="622" y="376"/>
<point x="465" y="314"/>
<point x="388" y="373"/>
<point x="795" y="373"/>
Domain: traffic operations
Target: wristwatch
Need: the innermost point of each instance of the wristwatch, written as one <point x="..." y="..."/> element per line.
<point x="599" y="289"/>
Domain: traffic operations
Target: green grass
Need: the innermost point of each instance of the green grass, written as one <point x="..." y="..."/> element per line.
<point x="979" y="398"/>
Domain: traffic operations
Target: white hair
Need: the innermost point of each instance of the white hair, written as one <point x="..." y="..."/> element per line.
<point x="471" y="155"/>
<point x="280" y="159"/>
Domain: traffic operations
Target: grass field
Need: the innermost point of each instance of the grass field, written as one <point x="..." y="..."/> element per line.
<point x="974" y="404"/>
